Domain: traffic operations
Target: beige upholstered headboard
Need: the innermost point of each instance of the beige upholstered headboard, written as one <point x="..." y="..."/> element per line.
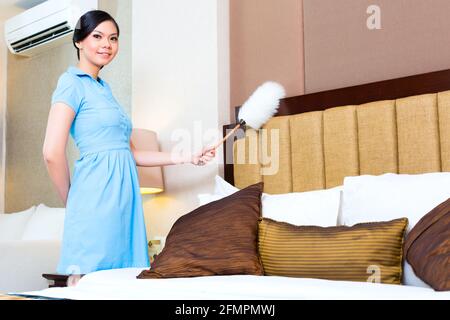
<point x="316" y="150"/>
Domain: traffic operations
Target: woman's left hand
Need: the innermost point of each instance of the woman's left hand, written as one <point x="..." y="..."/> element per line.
<point x="203" y="157"/>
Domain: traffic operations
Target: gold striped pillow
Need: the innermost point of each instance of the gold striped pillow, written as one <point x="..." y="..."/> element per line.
<point x="369" y="252"/>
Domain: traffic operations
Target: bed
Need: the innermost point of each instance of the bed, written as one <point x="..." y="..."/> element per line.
<point x="395" y="126"/>
<point x="121" y="284"/>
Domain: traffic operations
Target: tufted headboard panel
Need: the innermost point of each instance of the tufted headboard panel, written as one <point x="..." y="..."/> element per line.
<point x="317" y="149"/>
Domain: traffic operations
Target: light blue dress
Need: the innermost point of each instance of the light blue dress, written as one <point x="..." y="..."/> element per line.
<point x="104" y="226"/>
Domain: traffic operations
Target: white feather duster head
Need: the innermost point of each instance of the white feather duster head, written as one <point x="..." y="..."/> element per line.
<point x="262" y="104"/>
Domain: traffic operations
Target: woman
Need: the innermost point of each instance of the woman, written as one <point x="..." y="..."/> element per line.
<point x="104" y="226"/>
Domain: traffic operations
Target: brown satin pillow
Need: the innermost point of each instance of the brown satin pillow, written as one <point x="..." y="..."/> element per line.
<point x="427" y="247"/>
<point x="219" y="238"/>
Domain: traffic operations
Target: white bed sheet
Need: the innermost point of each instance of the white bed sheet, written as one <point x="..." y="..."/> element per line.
<point x="122" y="284"/>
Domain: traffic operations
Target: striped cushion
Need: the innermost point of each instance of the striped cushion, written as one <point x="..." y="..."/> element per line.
<point x="369" y="252"/>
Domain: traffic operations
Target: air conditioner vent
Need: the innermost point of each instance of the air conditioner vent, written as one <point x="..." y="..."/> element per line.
<point x="45" y="26"/>
<point x="42" y="37"/>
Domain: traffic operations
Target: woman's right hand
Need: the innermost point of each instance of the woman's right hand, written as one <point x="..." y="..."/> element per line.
<point x="203" y="157"/>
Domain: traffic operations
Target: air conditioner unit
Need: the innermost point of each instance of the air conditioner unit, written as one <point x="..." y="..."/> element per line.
<point x="45" y="26"/>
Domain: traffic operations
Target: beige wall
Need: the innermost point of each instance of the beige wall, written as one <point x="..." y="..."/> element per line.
<point x="266" y="43"/>
<point x="31" y="82"/>
<point x="316" y="45"/>
<point x="3" y="77"/>
<point x="341" y="51"/>
<point x="181" y="91"/>
<point x="4" y="15"/>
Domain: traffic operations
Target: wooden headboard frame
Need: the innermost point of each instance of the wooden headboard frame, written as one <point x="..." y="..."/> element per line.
<point x="383" y="90"/>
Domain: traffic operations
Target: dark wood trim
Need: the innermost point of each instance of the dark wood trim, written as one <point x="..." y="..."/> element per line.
<point x="376" y="91"/>
<point x="59" y="280"/>
<point x="228" y="151"/>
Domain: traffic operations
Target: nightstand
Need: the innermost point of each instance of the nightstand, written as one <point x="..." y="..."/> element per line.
<point x="59" y="280"/>
<point x="154" y="249"/>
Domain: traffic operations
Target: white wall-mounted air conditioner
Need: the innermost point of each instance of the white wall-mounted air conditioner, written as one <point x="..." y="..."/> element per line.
<point x="45" y="26"/>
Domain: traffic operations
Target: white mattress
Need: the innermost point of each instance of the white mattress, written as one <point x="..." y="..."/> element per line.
<point x="122" y="284"/>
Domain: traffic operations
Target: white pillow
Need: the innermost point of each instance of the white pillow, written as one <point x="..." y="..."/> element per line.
<point x="222" y="187"/>
<point x="390" y="196"/>
<point x="318" y="208"/>
<point x="311" y="208"/>
<point x="204" y="198"/>
<point x="46" y="224"/>
<point x="12" y="225"/>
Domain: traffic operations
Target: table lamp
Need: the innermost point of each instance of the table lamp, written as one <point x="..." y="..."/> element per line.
<point x="150" y="178"/>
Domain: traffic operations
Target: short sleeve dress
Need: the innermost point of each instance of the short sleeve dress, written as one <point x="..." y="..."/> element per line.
<point x="104" y="226"/>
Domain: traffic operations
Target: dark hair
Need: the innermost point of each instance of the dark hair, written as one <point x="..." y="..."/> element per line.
<point x="87" y="23"/>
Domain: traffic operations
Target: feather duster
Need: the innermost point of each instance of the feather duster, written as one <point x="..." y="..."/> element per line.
<point x="259" y="107"/>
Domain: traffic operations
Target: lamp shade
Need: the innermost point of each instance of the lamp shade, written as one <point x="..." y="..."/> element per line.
<point x="150" y="178"/>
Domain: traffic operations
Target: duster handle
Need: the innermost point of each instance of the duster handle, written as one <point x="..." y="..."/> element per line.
<point x="227" y="136"/>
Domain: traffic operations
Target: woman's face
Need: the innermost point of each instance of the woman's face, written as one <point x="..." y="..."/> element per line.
<point x="101" y="45"/>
